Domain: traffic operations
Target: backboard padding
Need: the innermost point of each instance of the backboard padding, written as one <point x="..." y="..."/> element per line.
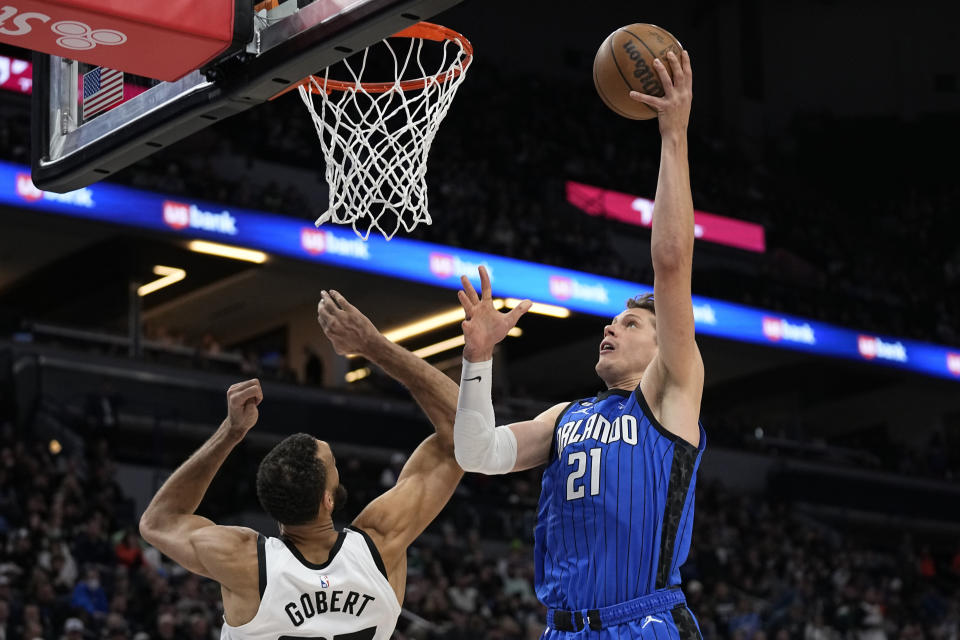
<point x="68" y="156"/>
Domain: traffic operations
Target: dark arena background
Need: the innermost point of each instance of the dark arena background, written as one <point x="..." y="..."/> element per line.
<point x="828" y="502"/>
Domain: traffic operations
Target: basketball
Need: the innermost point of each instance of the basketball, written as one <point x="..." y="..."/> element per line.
<point x="624" y="63"/>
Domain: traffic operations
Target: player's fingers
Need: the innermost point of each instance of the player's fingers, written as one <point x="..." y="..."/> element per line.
<point x="325" y="317"/>
<point x="254" y="396"/>
<point x="252" y="392"/>
<point x="687" y="67"/>
<point x="469" y="290"/>
<point x="675" y="67"/>
<point x="484" y="282"/>
<point x="250" y="386"/>
<point x="341" y="302"/>
<point x="657" y="104"/>
<point x="239" y="386"/>
<point x="518" y="311"/>
<point x="465" y="301"/>
<point x="328" y="301"/>
<point x="665" y="80"/>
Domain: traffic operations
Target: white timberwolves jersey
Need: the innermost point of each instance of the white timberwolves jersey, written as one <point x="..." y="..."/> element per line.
<point x="346" y="598"/>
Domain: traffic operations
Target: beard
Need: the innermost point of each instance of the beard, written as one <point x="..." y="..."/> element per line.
<point x="339" y="498"/>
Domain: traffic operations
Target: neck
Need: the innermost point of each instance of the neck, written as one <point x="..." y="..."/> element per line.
<point x="320" y="530"/>
<point x="627" y="383"/>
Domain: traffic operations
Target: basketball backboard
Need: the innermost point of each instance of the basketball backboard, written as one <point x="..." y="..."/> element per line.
<point x="289" y="43"/>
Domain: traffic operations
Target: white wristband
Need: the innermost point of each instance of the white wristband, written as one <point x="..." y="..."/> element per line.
<point x="479" y="445"/>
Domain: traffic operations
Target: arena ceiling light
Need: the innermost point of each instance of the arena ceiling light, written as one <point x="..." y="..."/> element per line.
<point x="453" y="343"/>
<point x="227" y="251"/>
<point x="169" y="275"/>
<point x="426" y="352"/>
<point x="430" y="323"/>
<point x="357" y="374"/>
<point x="455" y="315"/>
<point x="551" y="310"/>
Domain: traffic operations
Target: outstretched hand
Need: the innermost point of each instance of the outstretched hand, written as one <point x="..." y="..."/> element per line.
<point x="484" y="326"/>
<point x="673" y="109"/>
<point x="242" y="412"/>
<point x="348" y="330"/>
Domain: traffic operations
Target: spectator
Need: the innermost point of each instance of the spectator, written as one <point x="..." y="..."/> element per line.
<point x="89" y="595"/>
<point x="200" y="628"/>
<point x="313" y="367"/>
<point x="167" y="627"/>
<point x="463" y="595"/>
<point x="5" y="620"/>
<point x="32" y="624"/>
<point x="926" y="566"/>
<point x="73" y="629"/>
<point x="745" y="622"/>
<point x="128" y="551"/>
<point x="91" y="545"/>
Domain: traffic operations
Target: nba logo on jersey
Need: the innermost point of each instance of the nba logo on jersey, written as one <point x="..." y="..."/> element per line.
<point x="324" y="582"/>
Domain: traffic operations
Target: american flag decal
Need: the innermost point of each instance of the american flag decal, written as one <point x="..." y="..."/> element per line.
<point x="102" y="89"/>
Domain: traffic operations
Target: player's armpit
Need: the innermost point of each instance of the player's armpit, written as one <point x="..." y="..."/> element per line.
<point x="396" y="518"/>
<point x="534" y="438"/>
<point x="675" y="405"/>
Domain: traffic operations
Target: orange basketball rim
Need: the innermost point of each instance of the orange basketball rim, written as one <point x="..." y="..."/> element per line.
<point x="422" y="30"/>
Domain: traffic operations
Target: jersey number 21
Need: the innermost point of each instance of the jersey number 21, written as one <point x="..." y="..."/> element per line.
<point x="576" y="487"/>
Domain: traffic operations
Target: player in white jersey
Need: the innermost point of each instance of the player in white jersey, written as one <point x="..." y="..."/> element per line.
<point x="313" y="581"/>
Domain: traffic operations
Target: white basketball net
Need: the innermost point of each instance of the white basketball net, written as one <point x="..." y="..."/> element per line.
<point x="376" y="144"/>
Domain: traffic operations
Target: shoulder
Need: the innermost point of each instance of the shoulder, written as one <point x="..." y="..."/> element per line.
<point x="231" y="555"/>
<point x="224" y="537"/>
<point x="221" y="547"/>
<point x="551" y="415"/>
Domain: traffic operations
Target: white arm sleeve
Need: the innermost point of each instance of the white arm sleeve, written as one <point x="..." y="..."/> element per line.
<point x="479" y="445"/>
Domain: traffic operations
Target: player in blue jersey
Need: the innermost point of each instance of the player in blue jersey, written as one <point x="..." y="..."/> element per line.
<point x="616" y="506"/>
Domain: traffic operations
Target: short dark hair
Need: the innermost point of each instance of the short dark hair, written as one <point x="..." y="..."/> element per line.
<point x="644" y="301"/>
<point x="291" y="479"/>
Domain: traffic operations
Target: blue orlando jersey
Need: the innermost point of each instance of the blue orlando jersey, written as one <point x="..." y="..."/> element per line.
<point x="616" y="507"/>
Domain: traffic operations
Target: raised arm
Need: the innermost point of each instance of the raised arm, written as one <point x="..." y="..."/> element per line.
<point x="397" y="517"/>
<point x="431" y="474"/>
<point x="352" y="332"/>
<point x="481" y="446"/>
<point x="225" y="554"/>
<point x="677" y="370"/>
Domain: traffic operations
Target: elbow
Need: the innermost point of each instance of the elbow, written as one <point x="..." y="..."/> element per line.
<point x="672" y="257"/>
<point x="444" y="441"/>
<point x="464" y="461"/>
<point x="470" y="463"/>
<point x="146" y="526"/>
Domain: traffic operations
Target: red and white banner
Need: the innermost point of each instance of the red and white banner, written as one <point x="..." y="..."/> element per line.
<point x="123" y="35"/>
<point x="16" y="75"/>
<point x="639" y="211"/>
